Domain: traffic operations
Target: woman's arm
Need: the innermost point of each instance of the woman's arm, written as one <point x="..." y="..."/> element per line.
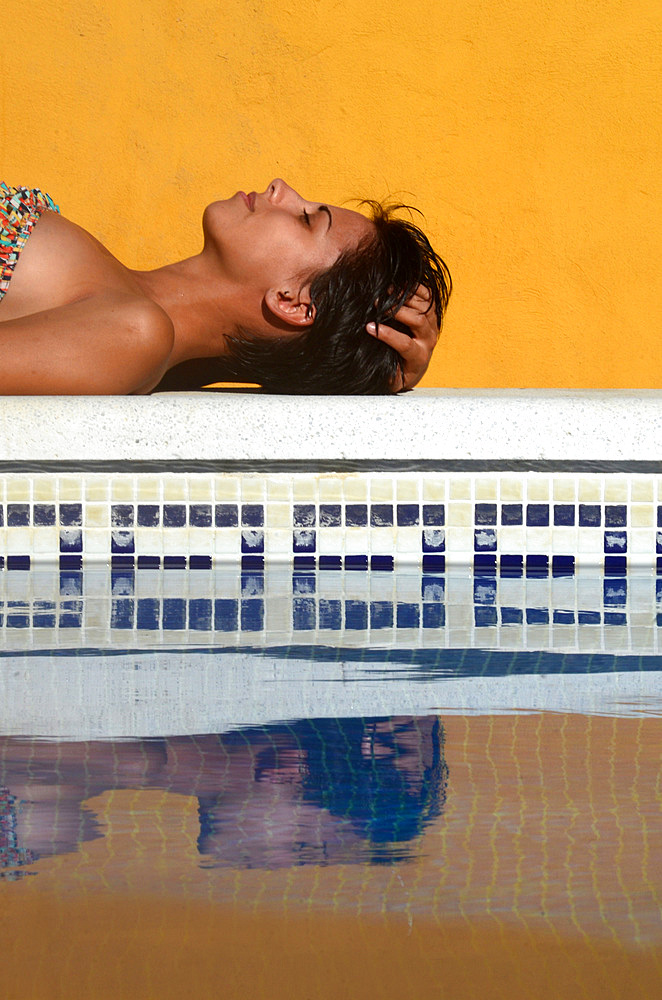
<point x="106" y="344"/>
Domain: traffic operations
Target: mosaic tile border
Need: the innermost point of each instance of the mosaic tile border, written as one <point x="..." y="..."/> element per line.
<point x="507" y="523"/>
<point x="100" y="607"/>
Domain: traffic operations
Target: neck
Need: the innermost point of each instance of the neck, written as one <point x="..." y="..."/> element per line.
<point x="202" y="306"/>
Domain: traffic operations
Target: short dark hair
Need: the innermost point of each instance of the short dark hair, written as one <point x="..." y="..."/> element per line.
<point x="367" y="284"/>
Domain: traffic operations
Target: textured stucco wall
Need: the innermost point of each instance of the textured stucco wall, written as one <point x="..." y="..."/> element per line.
<point x="528" y="132"/>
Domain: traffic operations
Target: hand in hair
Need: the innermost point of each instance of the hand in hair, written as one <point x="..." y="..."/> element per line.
<point x="415" y="349"/>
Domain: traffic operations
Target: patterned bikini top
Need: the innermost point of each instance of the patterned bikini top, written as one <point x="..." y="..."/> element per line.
<point x="19" y="210"/>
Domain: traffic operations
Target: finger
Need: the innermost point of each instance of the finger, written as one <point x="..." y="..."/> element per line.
<point x="422" y="325"/>
<point x="405" y="346"/>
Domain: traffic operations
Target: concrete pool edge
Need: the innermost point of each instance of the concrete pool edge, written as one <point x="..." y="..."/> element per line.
<point x="426" y="425"/>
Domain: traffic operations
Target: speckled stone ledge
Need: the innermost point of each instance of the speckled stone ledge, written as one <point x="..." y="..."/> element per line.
<point x="424" y="425"/>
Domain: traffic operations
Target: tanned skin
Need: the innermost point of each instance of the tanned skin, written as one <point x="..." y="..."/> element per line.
<point x="76" y="321"/>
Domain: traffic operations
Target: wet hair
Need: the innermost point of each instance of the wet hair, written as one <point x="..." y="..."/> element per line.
<point x="336" y="355"/>
<point x="366" y="284"/>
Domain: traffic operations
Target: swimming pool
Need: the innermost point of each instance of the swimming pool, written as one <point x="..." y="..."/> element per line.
<point x="309" y="733"/>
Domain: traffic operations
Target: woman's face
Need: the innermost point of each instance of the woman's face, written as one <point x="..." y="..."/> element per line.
<point x="271" y="239"/>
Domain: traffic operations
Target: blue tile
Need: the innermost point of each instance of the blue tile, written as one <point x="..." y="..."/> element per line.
<point x="304" y="540"/>
<point x="615" y="618"/>
<point x="485" y="590"/>
<point x="226" y="515"/>
<point x="381" y="515"/>
<point x="407" y="615"/>
<point x="356" y="562"/>
<point x="434" y="615"/>
<point x="174" y="562"/>
<point x="590" y="515"/>
<point x="252" y="584"/>
<point x="511" y="513"/>
<point x="563" y="617"/>
<point x="121" y="614"/>
<point x="432" y="563"/>
<point x="537" y="616"/>
<point x="616" y="542"/>
<point x="148" y="613"/>
<point x="43" y="620"/>
<point x="616" y="565"/>
<point x="485" y="617"/>
<point x="407" y="514"/>
<point x="174" y="515"/>
<point x="433" y="588"/>
<point x="330" y="615"/>
<point x="537" y="515"/>
<point x="485" y="540"/>
<point x="616" y="515"/>
<point x="588" y="617"/>
<point x="511" y="565"/>
<point x="174" y="613"/>
<point x="68" y="562"/>
<point x="537" y="565"/>
<point x="356" y="615"/>
<point x="563" y="565"/>
<point x="226" y="615"/>
<point x="252" y="515"/>
<point x="381" y="614"/>
<point x="303" y="562"/>
<point x="121" y="542"/>
<point x="69" y="620"/>
<point x="71" y="584"/>
<point x="303" y="583"/>
<point x="659" y="516"/>
<point x="303" y="614"/>
<point x="44" y="514"/>
<point x="122" y="515"/>
<point x="118" y="561"/>
<point x="71" y="515"/>
<point x="2" y="515"/>
<point x="615" y="592"/>
<point x="484" y="562"/>
<point x="303" y="515"/>
<point x="199" y="515"/>
<point x="356" y="515"/>
<point x="330" y="515"/>
<point x="149" y="515"/>
<point x="71" y="540"/>
<point x="433" y="539"/>
<point x="434" y="514"/>
<point x="658" y="541"/>
<point x="18" y="621"/>
<point x="511" y="616"/>
<point x="485" y="513"/>
<point x="252" y="542"/>
<point x="252" y="615"/>
<point x="564" y="514"/>
<point x="18" y="515"/>
<point x="122" y="583"/>
<point x="200" y="614"/>
<point x="383" y="563"/>
<point x="330" y="562"/>
<point x="18" y="562"/>
<point x="149" y="562"/>
<point x="199" y="562"/>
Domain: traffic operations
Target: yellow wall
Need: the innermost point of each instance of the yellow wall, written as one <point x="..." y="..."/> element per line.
<point x="528" y="131"/>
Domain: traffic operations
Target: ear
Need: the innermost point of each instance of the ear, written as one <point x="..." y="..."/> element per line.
<point x="294" y="308"/>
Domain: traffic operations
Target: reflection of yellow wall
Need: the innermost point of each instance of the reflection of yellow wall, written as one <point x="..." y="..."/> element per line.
<point x="528" y="132"/>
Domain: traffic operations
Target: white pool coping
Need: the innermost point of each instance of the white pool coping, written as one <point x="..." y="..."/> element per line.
<point x="424" y="425"/>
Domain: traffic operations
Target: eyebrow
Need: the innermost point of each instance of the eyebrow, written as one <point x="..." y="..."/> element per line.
<point x="325" y="208"/>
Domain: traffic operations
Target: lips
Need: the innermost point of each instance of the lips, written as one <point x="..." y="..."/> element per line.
<point x="249" y="199"/>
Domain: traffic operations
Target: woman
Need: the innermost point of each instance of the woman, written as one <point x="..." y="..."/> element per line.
<point x="286" y="292"/>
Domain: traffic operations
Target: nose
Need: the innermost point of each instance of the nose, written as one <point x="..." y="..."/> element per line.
<point x="280" y="193"/>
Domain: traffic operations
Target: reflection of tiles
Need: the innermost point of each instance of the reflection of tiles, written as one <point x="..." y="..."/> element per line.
<point x="128" y="608"/>
<point x="504" y="522"/>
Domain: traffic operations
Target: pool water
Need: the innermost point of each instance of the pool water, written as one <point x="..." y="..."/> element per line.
<point x="239" y="806"/>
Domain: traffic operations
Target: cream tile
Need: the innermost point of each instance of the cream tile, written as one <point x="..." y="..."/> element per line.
<point x="227" y="488"/>
<point x="70" y="489"/>
<point x="123" y="489"/>
<point x="355" y="489"/>
<point x="486" y="488"/>
<point x="330" y="541"/>
<point x="227" y="542"/>
<point x="97" y="489"/>
<point x="278" y="542"/>
<point x="46" y="542"/>
<point x="44" y="489"/>
<point x="460" y="514"/>
<point x="149" y="541"/>
<point x="200" y="541"/>
<point x="564" y="489"/>
<point x="434" y="488"/>
<point x="175" y="488"/>
<point x="538" y="489"/>
<point x="253" y="489"/>
<point x="511" y="490"/>
<point x="590" y="489"/>
<point x="642" y="489"/>
<point x="96" y="515"/>
<point x="18" y="490"/>
<point x="330" y="489"/>
<point x="381" y="490"/>
<point x="18" y="541"/>
<point x="201" y="489"/>
<point x="643" y="515"/>
<point x="408" y="490"/>
<point x="148" y="489"/>
<point x="616" y="489"/>
<point x="279" y="488"/>
<point x="278" y="515"/>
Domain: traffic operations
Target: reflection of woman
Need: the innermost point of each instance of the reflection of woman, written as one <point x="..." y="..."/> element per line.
<point x="285" y="292"/>
<point x="312" y="791"/>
